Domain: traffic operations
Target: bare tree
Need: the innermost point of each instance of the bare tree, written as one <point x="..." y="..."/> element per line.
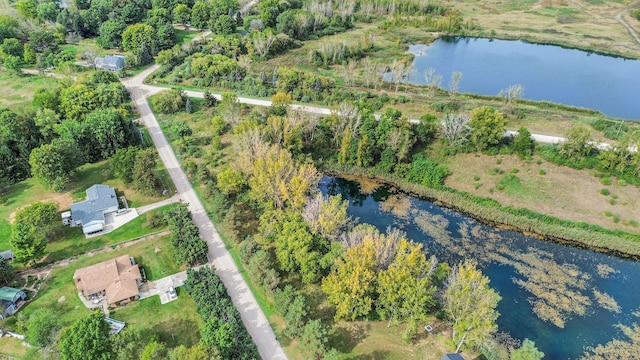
<point x="455" y="127"/>
<point x="368" y="68"/>
<point x="262" y="43"/>
<point x="511" y="94"/>
<point x="432" y="80"/>
<point x="349" y="71"/>
<point x="246" y="146"/>
<point x="454" y="84"/>
<point x="398" y="70"/>
<point x="386" y="245"/>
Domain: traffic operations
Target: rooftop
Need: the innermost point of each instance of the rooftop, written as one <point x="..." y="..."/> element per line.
<point x="116" y="277"/>
<point x="99" y="198"/>
<point x="8" y="293"/>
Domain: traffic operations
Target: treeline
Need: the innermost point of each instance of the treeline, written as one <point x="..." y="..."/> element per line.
<point x="222" y="327"/>
<point x="74" y="123"/>
<point x="189" y="248"/>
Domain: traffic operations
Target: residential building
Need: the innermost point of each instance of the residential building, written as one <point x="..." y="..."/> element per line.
<point x="110" y="62"/>
<point x="90" y="214"/>
<point x="116" y="279"/>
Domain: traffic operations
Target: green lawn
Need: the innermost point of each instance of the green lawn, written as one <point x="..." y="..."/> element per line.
<point x="59" y="293"/>
<point x="17" y="92"/>
<point x="185" y="36"/>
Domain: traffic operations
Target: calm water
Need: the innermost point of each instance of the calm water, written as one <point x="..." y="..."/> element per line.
<point x="550" y="73"/>
<point x="558" y="279"/>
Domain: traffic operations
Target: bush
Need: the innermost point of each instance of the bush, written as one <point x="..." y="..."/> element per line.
<point x="605" y="181"/>
<point x="542" y="172"/>
<point x="427" y="173"/>
<point x="169" y="101"/>
<point x="605" y="192"/>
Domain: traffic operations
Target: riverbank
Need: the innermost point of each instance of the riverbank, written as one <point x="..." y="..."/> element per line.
<point x="489" y="211"/>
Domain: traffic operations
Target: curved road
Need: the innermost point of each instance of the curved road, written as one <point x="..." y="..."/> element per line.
<point x="252" y="316"/>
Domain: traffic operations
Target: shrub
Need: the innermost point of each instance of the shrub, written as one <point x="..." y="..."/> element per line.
<point x="605" y="192"/>
<point x="542" y="172"/>
<point x="616" y="218"/>
<point x="622" y="182"/>
<point x="168" y="101"/>
<point x="608" y="213"/>
<point x="427" y="173"/>
<point x="612" y="201"/>
<point x="605" y="181"/>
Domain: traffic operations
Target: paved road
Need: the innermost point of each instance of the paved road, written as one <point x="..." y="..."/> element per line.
<point x="252" y="316"/>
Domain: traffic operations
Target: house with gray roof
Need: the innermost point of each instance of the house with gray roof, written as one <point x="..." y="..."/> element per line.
<point x="89" y="214"/>
<point x="110" y="62"/>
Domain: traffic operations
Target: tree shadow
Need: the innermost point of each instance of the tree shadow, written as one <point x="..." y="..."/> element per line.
<point x="345" y="339"/>
<point x="9" y="196"/>
<point x="375" y="355"/>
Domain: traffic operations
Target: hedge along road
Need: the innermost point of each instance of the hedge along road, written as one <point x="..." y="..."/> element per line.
<point x="252" y="316"/>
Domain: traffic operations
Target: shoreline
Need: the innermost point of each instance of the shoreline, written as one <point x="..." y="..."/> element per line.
<point x="606" y="242"/>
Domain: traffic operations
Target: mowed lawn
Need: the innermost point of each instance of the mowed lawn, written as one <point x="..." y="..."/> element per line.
<point x="17" y="92"/>
<point x="176" y="323"/>
<point x="70" y="241"/>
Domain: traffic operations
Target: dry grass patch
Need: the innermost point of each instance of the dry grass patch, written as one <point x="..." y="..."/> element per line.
<point x="562" y="192"/>
<point x="574" y="23"/>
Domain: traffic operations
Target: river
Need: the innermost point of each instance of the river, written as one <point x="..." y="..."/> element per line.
<point x="563" y="298"/>
<point x="551" y="73"/>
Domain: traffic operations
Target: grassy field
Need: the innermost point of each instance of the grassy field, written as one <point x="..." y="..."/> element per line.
<point x="17" y="92"/>
<point x="584" y="24"/>
<point x="155" y="255"/>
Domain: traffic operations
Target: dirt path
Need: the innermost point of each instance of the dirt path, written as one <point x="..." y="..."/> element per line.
<point x="621" y="20"/>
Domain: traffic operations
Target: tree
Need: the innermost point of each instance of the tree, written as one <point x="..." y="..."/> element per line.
<point x="111" y="34"/>
<point x="27" y="9"/>
<point x="76" y="101"/>
<point x="327" y="217"/>
<point x="200" y="14"/>
<point x="154" y="350"/>
<point x="456" y="129"/>
<point x="42" y="326"/>
<point x="523" y="143"/>
<point x="129" y="343"/>
<point x="53" y="163"/>
<point x="109" y="132"/>
<point x="510" y="95"/>
<point x="224" y="25"/>
<point x="405" y="288"/>
<point x="230" y="181"/>
<point x="46" y="99"/>
<point x="123" y="161"/>
<point x="527" y="351"/>
<point x="13" y="64"/>
<point x="577" y="143"/>
<point x="196" y="352"/>
<point x="314" y="339"/>
<point x="86" y="339"/>
<point x="169" y="101"/>
<point x="350" y="288"/>
<point x="48" y="11"/>
<point x="454" y="83"/>
<point x="296" y="317"/>
<point x="27" y="243"/>
<point x="145" y="176"/>
<point x="280" y="103"/>
<point x="182" y="15"/>
<point x="138" y="36"/>
<point x="12" y="47"/>
<point x="470" y="305"/>
<point x="40" y="215"/>
<point x="487" y="127"/>
<point x="6" y="271"/>
<point x="46" y="120"/>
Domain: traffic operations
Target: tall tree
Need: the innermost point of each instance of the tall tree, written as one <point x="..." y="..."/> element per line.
<point x="351" y="287"/>
<point x="42" y="326"/>
<point x="577" y="143"/>
<point x="110" y="131"/>
<point x="53" y="163"/>
<point x="137" y="36"/>
<point x="145" y="175"/>
<point x="27" y="243"/>
<point x="122" y="162"/>
<point x="314" y="339"/>
<point x="405" y="288"/>
<point x="6" y="271"/>
<point x="86" y="339"/>
<point x="470" y="304"/>
<point x="40" y="215"/>
<point x="527" y="351"/>
<point x="487" y="127"/>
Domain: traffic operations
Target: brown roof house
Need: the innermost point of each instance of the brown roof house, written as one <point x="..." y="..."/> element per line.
<point x="118" y="279"/>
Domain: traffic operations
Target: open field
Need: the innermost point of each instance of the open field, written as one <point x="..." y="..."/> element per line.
<point x="545" y="188"/>
<point x="17" y="92"/>
<point x="155" y="255"/>
<point x="588" y="25"/>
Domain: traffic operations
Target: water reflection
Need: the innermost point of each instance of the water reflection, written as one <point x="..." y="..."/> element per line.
<point x="563" y="298"/>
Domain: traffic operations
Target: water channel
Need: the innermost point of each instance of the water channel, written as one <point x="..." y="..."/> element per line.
<point x="563" y="298"/>
<point x="551" y="73"/>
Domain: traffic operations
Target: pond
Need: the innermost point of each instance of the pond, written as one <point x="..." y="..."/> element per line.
<point x="563" y="298"/>
<point x="550" y="73"/>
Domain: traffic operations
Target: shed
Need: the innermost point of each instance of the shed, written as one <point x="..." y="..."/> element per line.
<point x="110" y="62"/>
<point x="454" y="356"/>
<point x="10" y="299"/>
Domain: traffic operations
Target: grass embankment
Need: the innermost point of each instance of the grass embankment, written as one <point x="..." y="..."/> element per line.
<point x="175" y="323"/>
<point x="530" y="222"/>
